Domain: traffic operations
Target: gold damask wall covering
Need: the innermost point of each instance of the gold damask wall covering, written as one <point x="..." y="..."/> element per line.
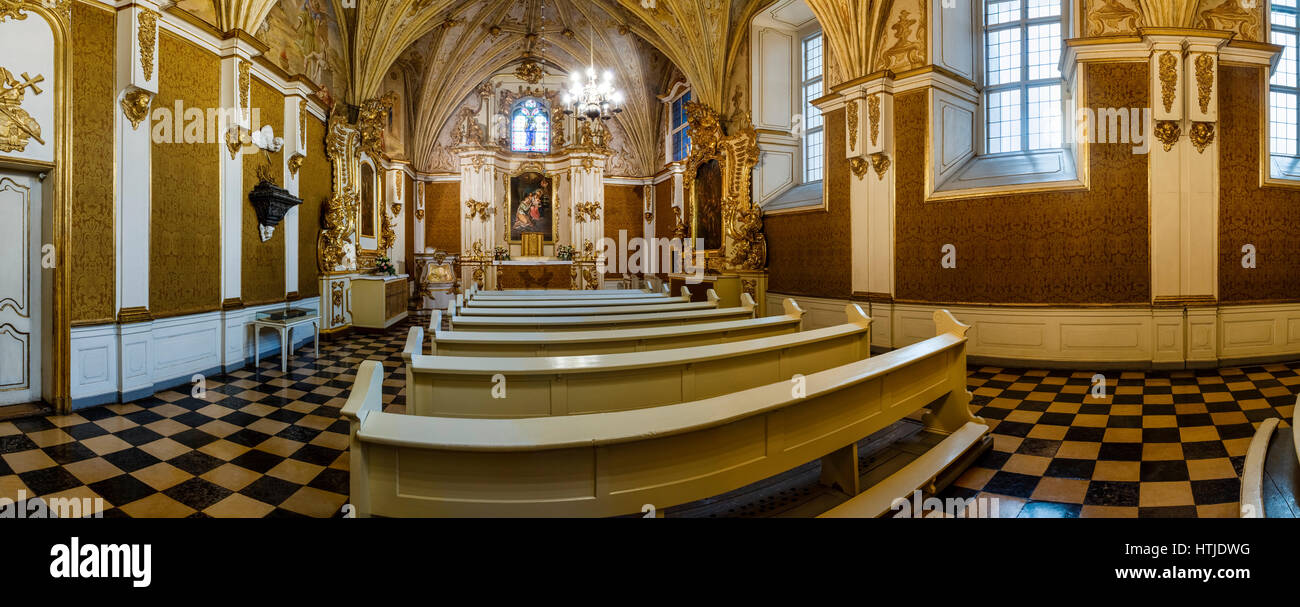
<point x="185" y="214"/>
<point x="442" y="216"/>
<point x="263" y="262"/>
<point x="1047" y="248"/>
<point x="624" y="211"/>
<point x="809" y="253"/>
<point x="1248" y="214"/>
<point x="314" y="188"/>
<point x="92" y="254"/>
<point x="664" y="219"/>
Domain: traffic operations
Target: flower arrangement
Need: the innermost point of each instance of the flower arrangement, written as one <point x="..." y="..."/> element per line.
<point x="501" y="254"/>
<point x="564" y="252"/>
<point x="384" y="265"/>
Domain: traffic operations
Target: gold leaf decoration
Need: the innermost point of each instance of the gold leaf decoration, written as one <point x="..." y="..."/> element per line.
<point x="1202" y="135"/>
<point x="1168" y="132"/>
<point x="880" y="162"/>
<point x="859" y="166"/>
<point x="135" y="106"/>
<point x="245" y="82"/>
<point x="302" y="122"/>
<point x="147" y="35"/>
<point x="1168" y="79"/>
<point x="16" y="125"/>
<point x="853" y="126"/>
<point x="873" y="114"/>
<point x="1204" y="80"/>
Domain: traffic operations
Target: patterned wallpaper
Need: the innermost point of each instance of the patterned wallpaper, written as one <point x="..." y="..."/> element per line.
<point x="809" y="253"/>
<point x="1050" y="248"/>
<point x="314" y="188"/>
<point x="1248" y="214"/>
<point x="623" y="211"/>
<point x="442" y="216"/>
<point x="92" y="252"/>
<point x="263" y="262"/>
<point x="664" y="209"/>
<point x="185" y="216"/>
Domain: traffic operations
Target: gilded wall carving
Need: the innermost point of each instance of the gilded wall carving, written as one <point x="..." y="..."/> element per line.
<point x="147" y="33"/>
<point x="1051" y="248"/>
<point x="1248" y="214"/>
<point x="810" y="253"/>
<point x="314" y="183"/>
<point x="185" y="262"/>
<point x="262" y="276"/>
<point x="442" y="216"/>
<point x="93" y="250"/>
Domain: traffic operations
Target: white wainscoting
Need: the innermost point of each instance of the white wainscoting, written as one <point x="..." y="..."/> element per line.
<point x="121" y="363"/>
<point x="1136" y="337"/>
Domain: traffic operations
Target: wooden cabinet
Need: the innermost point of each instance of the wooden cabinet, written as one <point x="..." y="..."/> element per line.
<point x="379" y="302"/>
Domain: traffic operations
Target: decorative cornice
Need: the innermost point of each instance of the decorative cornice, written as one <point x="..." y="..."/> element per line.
<point x="132" y="315"/>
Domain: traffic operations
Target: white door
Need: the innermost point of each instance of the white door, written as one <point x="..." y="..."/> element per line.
<point x="20" y="288"/>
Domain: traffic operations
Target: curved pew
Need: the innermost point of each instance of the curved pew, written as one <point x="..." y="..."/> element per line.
<point x="571" y="309"/>
<point x="607" y="464"/>
<point x="471" y="386"/>
<point x="609" y="341"/>
<point x="1271" y="471"/>
<point x="601" y="321"/>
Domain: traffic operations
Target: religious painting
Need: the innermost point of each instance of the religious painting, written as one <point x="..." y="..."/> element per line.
<point x="304" y="39"/>
<point x="707" y="194"/>
<point x="531" y="205"/>
<point x="367" y="219"/>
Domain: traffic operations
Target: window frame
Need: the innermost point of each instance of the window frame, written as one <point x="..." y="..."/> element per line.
<point x="674" y="127"/>
<point x="1022" y="84"/>
<point x="544" y="115"/>
<point x="1293" y="90"/>
<point x="806" y="106"/>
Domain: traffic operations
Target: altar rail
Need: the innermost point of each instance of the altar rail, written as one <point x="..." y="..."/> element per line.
<point x="566" y="385"/>
<point x="602" y="321"/>
<point x="609" y="341"/>
<point x="607" y="464"/>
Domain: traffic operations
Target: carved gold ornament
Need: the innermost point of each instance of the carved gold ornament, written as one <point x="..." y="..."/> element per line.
<point x="529" y="71"/>
<point x="873" y="114"/>
<point x="236" y="138"/>
<point x="1204" y="80"/>
<point x="397" y="208"/>
<point x="16" y="125"/>
<point x="1202" y="135"/>
<point x="1111" y="18"/>
<point x="478" y="210"/>
<point x="245" y="83"/>
<point x="1168" y="79"/>
<point x="387" y="236"/>
<point x="587" y="211"/>
<point x="147" y="34"/>
<point x="336" y="299"/>
<point x="679" y="227"/>
<point x="371" y="122"/>
<point x="881" y="163"/>
<point x="12" y="9"/>
<point x="853" y="126"/>
<point x="419" y="214"/>
<point x="295" y="163"/>
<point x="135" y="106"/>
<point x="1168" y="132"/>
<point x="859" y="166"/>
<point x="334" y="244"/>
<point x="1234" y="17"/>
<point x="302" y="122"/>
<point x="744" y="246"/>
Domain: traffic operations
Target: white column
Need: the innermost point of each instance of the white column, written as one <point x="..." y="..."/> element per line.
<point x="236" y="100"/>
<point x="293" y="153"/>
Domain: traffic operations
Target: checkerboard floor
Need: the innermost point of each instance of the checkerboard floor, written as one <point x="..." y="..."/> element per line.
<point x="264" y="443"/>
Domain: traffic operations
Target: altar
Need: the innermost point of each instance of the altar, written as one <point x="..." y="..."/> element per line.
<point x="538" y="273"/>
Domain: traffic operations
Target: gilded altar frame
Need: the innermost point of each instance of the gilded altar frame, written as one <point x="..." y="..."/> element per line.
<point x="743" y="244"/>
<point x="508" y="201"/>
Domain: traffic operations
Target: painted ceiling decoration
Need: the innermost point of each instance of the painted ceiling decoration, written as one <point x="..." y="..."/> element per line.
<point x="1119" y="17"/>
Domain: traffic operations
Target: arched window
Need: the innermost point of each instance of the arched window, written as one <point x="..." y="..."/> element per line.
<point x="530" y="127"/>
<point x="1283" y="86"/>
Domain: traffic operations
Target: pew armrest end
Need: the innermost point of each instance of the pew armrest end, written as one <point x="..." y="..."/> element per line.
<point x="945" y="322"/>
<point x="414" y="344"/>
<point x="790" y="306"/>
<point x="854" y="315"/>
<point x="713" y="297"/>
<point x="686" y="294"/>
<point x="747" y="302"/>
<point x="367" y="391"/>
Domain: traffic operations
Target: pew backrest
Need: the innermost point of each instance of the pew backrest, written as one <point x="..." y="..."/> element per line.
<point x="607" y="464"/>
<point x="609" y="341"/>
<point x="566" y="385"/>
<point x="579" y="309"/>
<point x="589" y="322"/>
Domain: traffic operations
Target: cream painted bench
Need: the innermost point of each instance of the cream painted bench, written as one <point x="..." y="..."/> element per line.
<point x="569" y="309"/>
<point x="567" y="343"/>
<point x="571" y="303"/>
<point x="473" y="292"/>
<point x="607" y="464"/>
<point x="602" y="321"/>
<point x="472" y="386"/>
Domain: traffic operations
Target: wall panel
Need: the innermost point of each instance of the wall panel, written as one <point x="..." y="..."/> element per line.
<point x="263" y="262"/>
<point x="92" y="254"/>
<point x="442" y="216"/>
<point x="314" y="185"/>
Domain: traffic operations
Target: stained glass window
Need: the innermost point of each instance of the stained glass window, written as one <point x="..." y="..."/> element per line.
<point x="530" y="127"/>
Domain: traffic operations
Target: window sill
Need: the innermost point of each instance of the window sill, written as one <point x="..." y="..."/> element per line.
<point x="1020" y="173"/>
<point x="1283" y="171"/>
<point x="801" y="198"/>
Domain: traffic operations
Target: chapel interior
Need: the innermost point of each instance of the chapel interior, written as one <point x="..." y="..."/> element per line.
<point x="650" y="258"/>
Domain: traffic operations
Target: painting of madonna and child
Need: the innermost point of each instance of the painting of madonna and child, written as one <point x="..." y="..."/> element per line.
<point x="531" y="206"/>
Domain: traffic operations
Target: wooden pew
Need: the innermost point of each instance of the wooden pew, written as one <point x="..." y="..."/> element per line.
<point x="556" y="343"/>
<point x="570" y="309"/>
<point x="495" y="296"/>
<point x="465" y="386"/>
<point x="607" y="464"/>
<point x="600" y="321"/>
<point x="557" y="302"/>
<point x="474" y="291"/>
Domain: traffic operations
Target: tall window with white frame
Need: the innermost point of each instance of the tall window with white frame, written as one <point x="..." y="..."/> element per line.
<point x="1022" y="81"/>
<point x="814" y="144"/>
<point x="678" y="129"/>
<point x="1283" y="88"/>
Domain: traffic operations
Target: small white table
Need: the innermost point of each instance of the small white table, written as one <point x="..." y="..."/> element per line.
<point x="283" y="324"/>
